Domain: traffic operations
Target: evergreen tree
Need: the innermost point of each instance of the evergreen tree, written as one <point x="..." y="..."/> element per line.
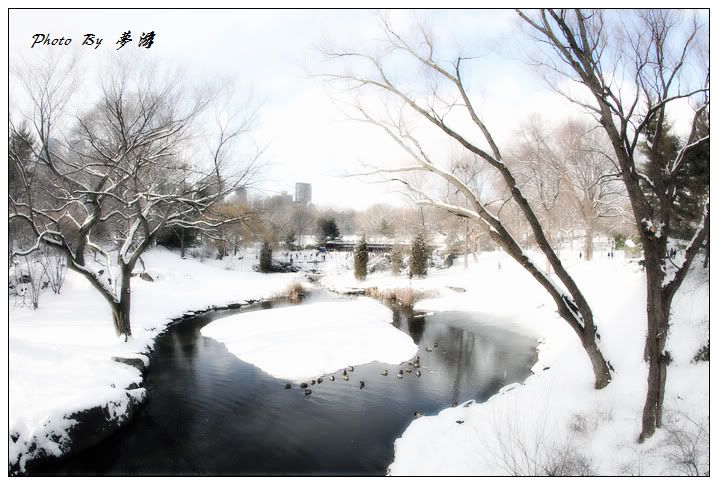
<point x="23" y="178"/>
<point x="693" y="180"/>
<point x="361" y="258"/>
<point x="20" y="154"/>
<point x="419" y="256"/>
<point x="265" y="258"/>
<point x="386" y="228"/>
<point x="396" y="257"/>
<point x="327" y="229"/>
<point x="289" y="240"/>
<point x="178" y="237"/>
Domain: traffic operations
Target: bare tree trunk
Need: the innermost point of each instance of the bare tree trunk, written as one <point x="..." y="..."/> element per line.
<point x="588" y="243"/>
<point x="601" y="370"/>
<point x="466" y="244"/>
<point x="576" y="312"/>
<point x="121" y="309"/>
<point x="182" y="251"/>
<point x="657" y="358"/>
<point x="707" y="257"/>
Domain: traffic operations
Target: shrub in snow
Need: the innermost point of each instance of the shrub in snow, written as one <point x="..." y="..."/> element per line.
<point x="54" y="267"/>
<point x="204" y="251"/>
<point x="405" y="297"/>
<point x="686" y="444"/>
<point x="419" y="256"/>
<point x="27" y="280"/>
<point x="703" y="354"/>
<point x="294" y="292"/>
<point x="619" y="241"/>
<point x="380" y="263"/>
<point x="265" y="258"/>
<point x="361" y="257"/>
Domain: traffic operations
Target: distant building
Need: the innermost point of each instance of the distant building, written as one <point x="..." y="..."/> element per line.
<point x="241" y="194"/>
<point x="303" y="193"/>
<point x="286" y="197"/>
<point x="238" y="196"/>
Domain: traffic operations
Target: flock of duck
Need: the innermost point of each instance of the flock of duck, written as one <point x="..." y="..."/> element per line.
<point x="412" y="366"/>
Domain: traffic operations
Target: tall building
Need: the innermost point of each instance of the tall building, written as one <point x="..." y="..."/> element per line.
<point x="238" y="196"/>
<point x="303" y="193"/>
<point x="241" y="194"/>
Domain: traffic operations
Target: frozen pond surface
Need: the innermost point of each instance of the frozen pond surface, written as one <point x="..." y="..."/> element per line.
<point x="209" y="413"/>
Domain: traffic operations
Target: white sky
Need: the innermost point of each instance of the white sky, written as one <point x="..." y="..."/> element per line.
<point x="271" y="51"/>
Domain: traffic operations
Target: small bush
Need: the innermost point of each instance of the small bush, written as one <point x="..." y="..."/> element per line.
<point x="619" y="241"/>
<point x="294" y="292"/>
<point x="361" y="257"/>
<point x="703" y="354"/>
<point x="265" y="258"/>
<point x="379" y="263"/>
<point x="202" y="252"/>
<point x="54" y="267"/>
<point x="27" y="279"/>
<point x="565" y="461"/>
<point x="419" y="256"/>
<point x="686" y="445"/>
<point x="405" y="297"/>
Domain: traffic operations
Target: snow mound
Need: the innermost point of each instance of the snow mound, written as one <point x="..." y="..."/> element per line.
<point x="314" y="339"/>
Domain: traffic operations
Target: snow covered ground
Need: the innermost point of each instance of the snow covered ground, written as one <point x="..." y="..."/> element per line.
<point x="306" y="341"/>
<point x="60" y="356"/>
<point x="555" y="422"/>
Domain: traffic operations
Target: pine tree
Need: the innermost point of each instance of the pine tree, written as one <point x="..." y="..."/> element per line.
<point x="265" y="258"/>
<point x="327" y="229"/>
<point x="361" y="258"/>
<point x="693" y="180"/>
<point x="419" y="256"/>
<point x="396" y="257"/>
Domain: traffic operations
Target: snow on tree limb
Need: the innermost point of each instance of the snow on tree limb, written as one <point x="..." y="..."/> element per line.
<point x="673" y="280"/>
<point x="121" y="177"/>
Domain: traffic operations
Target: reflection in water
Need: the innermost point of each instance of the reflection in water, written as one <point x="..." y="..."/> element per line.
<point x="211" y="413"/>
<point x="415" y="325"/>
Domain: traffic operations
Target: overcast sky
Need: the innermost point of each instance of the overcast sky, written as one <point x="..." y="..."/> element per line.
<point x="308" y="137"/>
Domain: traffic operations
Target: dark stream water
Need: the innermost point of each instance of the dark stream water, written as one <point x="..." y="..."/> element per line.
<point x="209" y="413"/>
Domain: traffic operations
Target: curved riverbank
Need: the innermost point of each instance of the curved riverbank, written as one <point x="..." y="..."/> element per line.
<point x="203" y="400"/>
<point x="61" y="355"/>
<point x="85" y="428"/>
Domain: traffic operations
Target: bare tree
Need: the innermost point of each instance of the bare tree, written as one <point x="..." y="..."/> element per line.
<point x="634" y="69"/>
<point x="119" y="178"/>
<point x="539" y="174"/>
<point x="441" y="102"/>
<point x="570" y="173"/>
<point x="591" y="179"/>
